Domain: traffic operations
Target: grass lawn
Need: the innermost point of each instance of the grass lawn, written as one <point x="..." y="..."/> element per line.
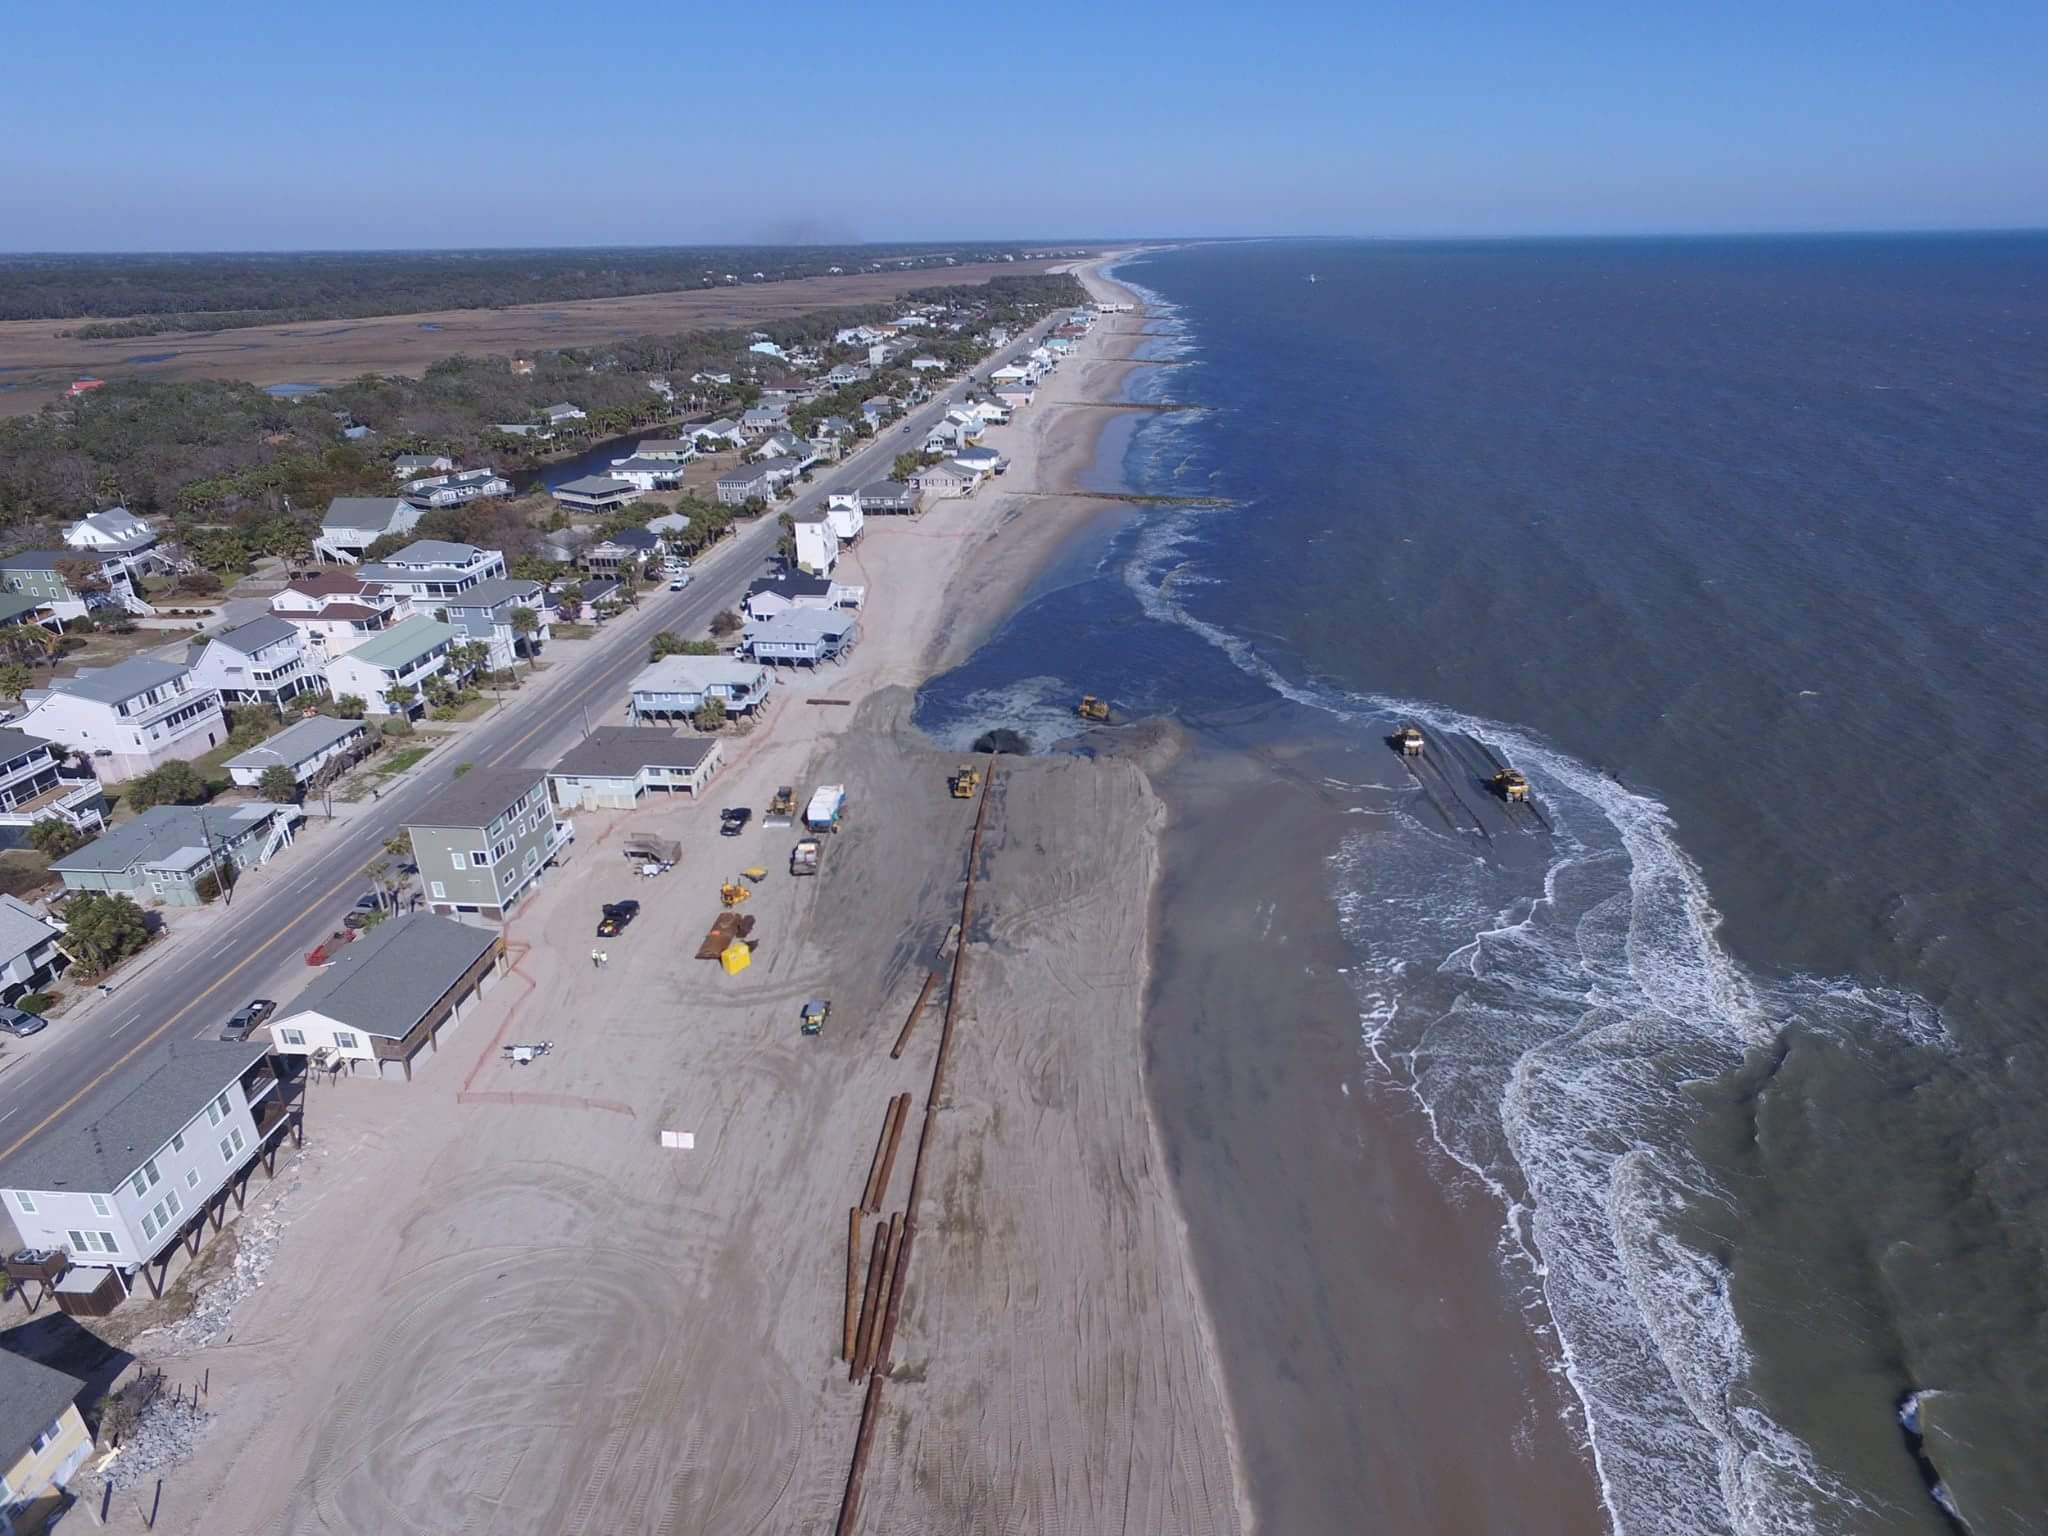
<point x="473" y="710"/>
<point x="398" y="762"/>
<point x="23" y="872"/>
<point x="572" y="631"/>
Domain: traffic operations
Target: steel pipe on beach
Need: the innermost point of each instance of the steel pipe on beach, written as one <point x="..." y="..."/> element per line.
<point x="852" y="1283"/>
<point x="870" y="1200"/>
<point x="924" y="993"/>
<point x="900" y="1106"/>
<point x="870" y="1303"/>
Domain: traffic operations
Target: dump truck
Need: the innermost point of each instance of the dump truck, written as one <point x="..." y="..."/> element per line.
<point x="803" y="858"/>
<point x="646" y="848"/>
<point x="827" y="802"/>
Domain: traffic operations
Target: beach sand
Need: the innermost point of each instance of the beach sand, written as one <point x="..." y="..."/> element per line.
<point x="498" y="1303"/>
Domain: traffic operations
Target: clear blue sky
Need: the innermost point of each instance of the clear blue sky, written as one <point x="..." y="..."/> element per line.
<point x="455" y="122"/>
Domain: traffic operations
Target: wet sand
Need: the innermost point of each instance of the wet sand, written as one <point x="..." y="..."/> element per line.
<point x="1382" y="1372"/>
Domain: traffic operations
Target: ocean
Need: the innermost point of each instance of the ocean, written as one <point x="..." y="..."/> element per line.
<point x="1736" y="549"/>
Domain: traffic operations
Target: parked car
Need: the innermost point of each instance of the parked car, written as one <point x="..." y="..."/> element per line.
<point x="364" y="912"/>
<point x="17" y="1021"/>
<point x="244" y="1023"/>
<point x="615" y="916"/>
<point x="732" y="821"/>
<point x="677" y="583"/>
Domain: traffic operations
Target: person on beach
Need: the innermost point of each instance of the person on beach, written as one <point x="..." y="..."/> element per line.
<point x="596" y="958"/>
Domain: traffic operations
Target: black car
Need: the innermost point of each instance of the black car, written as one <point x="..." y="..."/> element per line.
<point x="616" y="915"/>
<point x="732" y="821"/>
<point x="244" y="1023"/>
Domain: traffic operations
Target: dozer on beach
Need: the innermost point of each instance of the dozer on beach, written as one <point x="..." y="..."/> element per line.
<point x="962" y="783"/>
<point x="732" y="893"/>
<point x="1511" y="786"/>
<point x="1092" y="708"/>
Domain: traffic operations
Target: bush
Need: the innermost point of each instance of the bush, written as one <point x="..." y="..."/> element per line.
<point x="103" y="928"/>
<point x="278" y="784"/>
<point x="397" y="725"/>
<point x="213" y="882"/>
<point x="36" y="1002"/>
<point x="727" y="623"/>
<point x="175" y="783"/>
<point x="199" y="582"/>
<point x="710" y="715"/>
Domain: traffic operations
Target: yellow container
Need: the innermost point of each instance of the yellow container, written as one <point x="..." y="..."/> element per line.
<point x="737" y="958"/>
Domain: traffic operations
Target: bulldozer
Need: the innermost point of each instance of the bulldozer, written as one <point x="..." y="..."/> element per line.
<point x="963" y="782"/>
<point x="784" y="803"/>
<point x="732" y="893"/>
<point x="1510" y="786"/>
<point x="1411" y="739"/>
<point x="1092" y="708"/>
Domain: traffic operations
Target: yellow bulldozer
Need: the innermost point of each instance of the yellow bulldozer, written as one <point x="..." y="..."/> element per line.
<point x="1092" y="708"/>
<point x="963" y="782"/>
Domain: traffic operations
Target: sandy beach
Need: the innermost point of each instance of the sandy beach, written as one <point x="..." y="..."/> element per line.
<point x="498" y="1303"/>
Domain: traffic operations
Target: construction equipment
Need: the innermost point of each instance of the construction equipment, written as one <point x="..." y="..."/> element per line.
<point x="1510" y="786"/>
<point x="814" y="1015"/>
<point x="737" y="957"/>
<point x="782" y="809"/>
<point x="1092" y="708"/>
<point x="803" y="858"/>
<point x="1410" y="739"/>
<point x="827" y="802"/>
<point x="964" y="782"/>
<point x="755" y="875"/>
<point x="731" y="893"/>
<point x="525" y="1055"/>
<point x="727" y="929"/>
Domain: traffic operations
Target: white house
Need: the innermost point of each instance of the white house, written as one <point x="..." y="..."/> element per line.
<point x="768" y="349"/>
<point x="430" y="571"/>
<point x="987" y="460"/>
<point x="1009" y="373"/>
<point x="817" y="546"/>
<point x="944" y="480"/>
<point x="334" y="612"/>
<point x="353" y="523"/>
<point x="132" y="716"/>
<point x="454" y="489"/>
<point x="562" y="412"/>
<point x="673" y="450"/>
<point x="927" y="365"/>
<point x="264" y="661"/>
<point x="410" y="466"/>
<point x="405" y="655"/>
<point x="600" y="493"/>
<point x="803" y="637"/>
<point x="305" y="748"/>
<point x="114" y="531"/>
<point x="844" y="516"/>
<point x="1016" y="395"/>
<point x="784" y="591"/>
<point x="128" y="1169"/>
<point x="724" y="430"/>
<point x="37" y="782"/>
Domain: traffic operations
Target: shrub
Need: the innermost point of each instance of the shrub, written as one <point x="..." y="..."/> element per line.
<point x="397" y="725"/>
<point x="102" y="928"/>
<point x="175" y="783"/>
<point x="710" y="715"/>
<point x="53" y="838"/>
<point x="36" y="1002"/>
<point x="278" y="784"/>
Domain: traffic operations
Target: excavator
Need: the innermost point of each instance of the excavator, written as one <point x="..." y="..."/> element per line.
<point x="963" y="782"/>
<point x="1092" y="708"/>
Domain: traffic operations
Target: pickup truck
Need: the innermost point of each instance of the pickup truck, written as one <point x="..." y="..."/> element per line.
<point x="803" y="858"/>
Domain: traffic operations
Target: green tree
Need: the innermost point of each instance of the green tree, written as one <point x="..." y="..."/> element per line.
<point x="665" y="643"/>
<point x="785" y="541"/>
<point x="906" y="465"/>
<point x="710" y="715"/>
<point x="53" y="837"/>
<point x="278" y="784"/>
<point x="349" y="706"/>
<point x="15" y="679"/>
<point x="175" y="783"/>
<point x="401" y="697"/>
<point x="525" y="625"/>
<point x="101" y="929"/>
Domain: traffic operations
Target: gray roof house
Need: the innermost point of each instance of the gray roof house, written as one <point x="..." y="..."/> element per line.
<point x="388" y="996"/>
<point x="352" y="524"/>
<point x="304" y="748"/>
<point x="29" y="956"/>
<point x="136" y="1163"/>
<point x="803" y="635"/>
<point x="261" y="662"/>
<point x="679" y="685"/>
<point x="132" y="716"/>
<point x="484" y="840"/>
<point x="43" y="1439"/>
<point x="164" y="853"/>
<point x="37" y="781"/>
<point x="612" y="767"/>
<point x="749" y="482"/>
<point x="112" y="531"/>
<point x="484" y="613"/>
<point x="597" y="493"/>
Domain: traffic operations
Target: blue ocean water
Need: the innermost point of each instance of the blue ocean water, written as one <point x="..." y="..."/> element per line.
<point x="1737" y="548"/>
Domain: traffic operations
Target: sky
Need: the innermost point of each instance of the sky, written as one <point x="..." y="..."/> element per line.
<point x="129" y="126"/>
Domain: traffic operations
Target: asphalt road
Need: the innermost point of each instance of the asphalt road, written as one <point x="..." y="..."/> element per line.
<point x="189" y="993"/>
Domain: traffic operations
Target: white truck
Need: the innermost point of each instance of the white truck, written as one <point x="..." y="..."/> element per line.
<point x="822" y="814"/>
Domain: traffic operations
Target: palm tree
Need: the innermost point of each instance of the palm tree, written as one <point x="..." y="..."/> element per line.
<point x="401" y="697"/>
<point x="525" y="625"/>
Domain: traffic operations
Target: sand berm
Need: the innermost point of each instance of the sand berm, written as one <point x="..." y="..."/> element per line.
<point x="499" y="1304"/>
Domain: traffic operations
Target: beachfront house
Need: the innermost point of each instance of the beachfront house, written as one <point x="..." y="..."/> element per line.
<point x="624" y="553"/>
<point x="43" y="1442"/>
<point x="178" y="855"/>
<point x="1015" y="396"/>
<point x="403" y="656"/>
<point x="986" y="460"/>
<point x="30" y="956"/>
<point x="36" y="782"/>
<point x="391" y="995"/>
<point x="843" y="514"/>
<point x="353" y="523"/>
<point x="141" y="1160"/>
<point x="452" y="490"/>
<point x="616" y="766"/>
<point x="484" y="614"/>
<point x="676" y="687"/>
<point x="484" y="839"/>
<point x="786" y="590"/>
<point x="334" y="611"/>
<point x="598" y="493"/>
<point x="430" y="571"/>
<point x="944" y="480"/>
<point x="304" y="748"/>
<point x="803" y="636"/>
<point x="131" y="717"/>
<point x="817" y="547"/>
<point x="261" y="662"/>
